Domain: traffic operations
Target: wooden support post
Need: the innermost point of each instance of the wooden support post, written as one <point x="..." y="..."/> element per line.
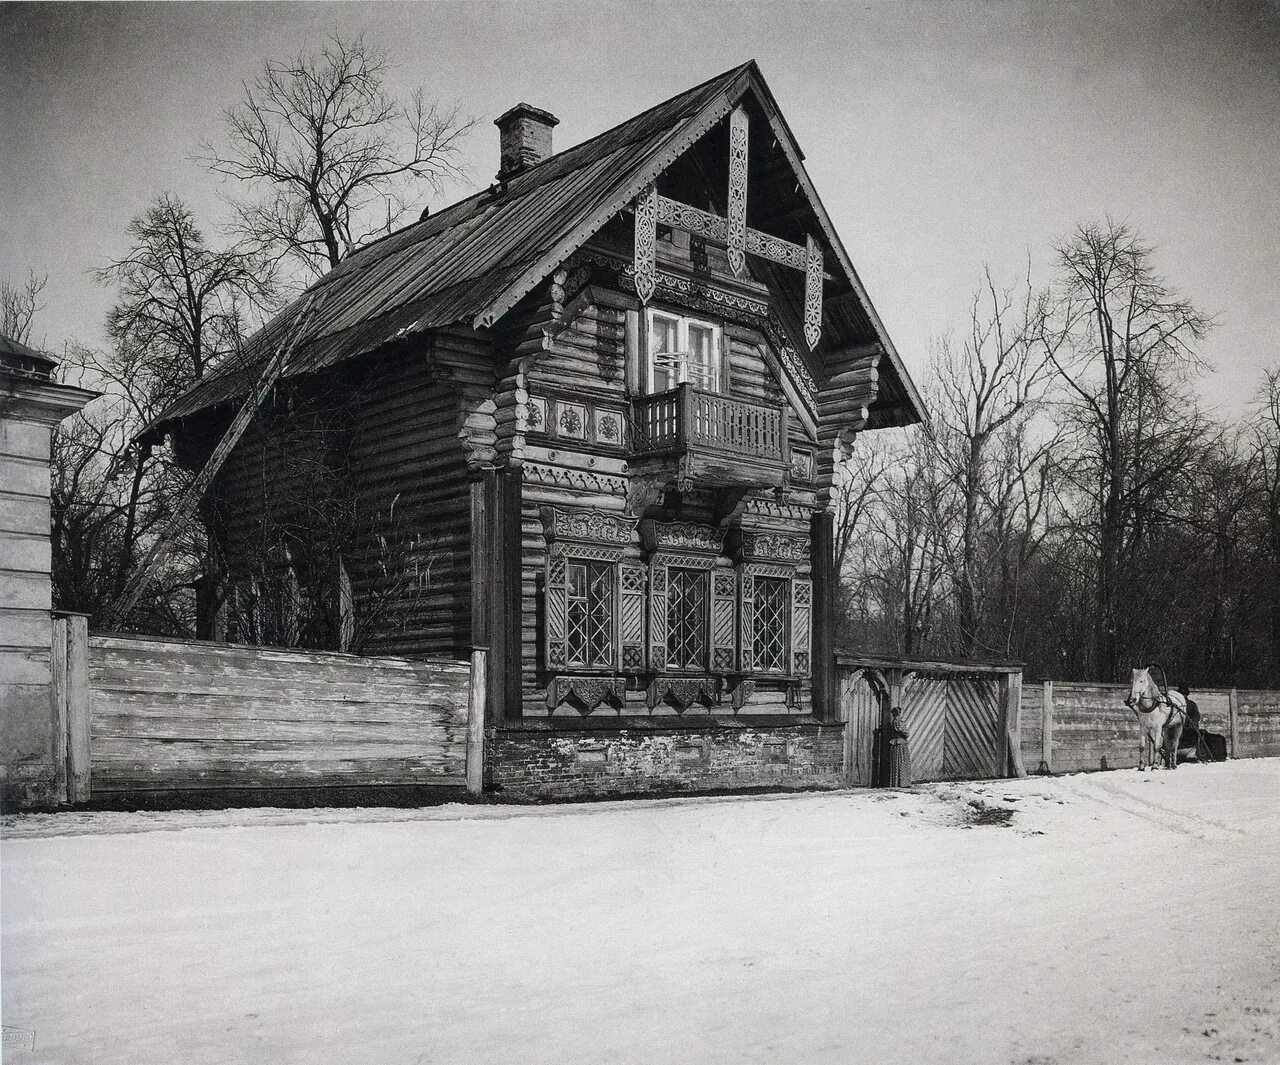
<point x="1046" y="729"/>
<point x="78" y="708"/>
<point x="58" y="696"/>
<point x="1013" y="725"/>
<point x="825" y="695"/>
<point x="1233" y="710"/>
<point x="475" y="722"/>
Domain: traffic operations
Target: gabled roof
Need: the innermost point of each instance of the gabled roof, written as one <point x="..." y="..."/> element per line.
<point x="473" y="261"/>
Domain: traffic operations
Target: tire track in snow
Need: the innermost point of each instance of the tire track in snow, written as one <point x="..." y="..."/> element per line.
<point x="1176" y="821"/>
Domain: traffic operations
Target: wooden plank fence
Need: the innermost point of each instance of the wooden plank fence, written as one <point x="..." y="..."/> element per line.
<point x="1071" y="726"/>
<point x="144" y="715"/>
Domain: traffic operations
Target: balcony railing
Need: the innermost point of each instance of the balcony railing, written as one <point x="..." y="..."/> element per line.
<point x="692" y="419"/>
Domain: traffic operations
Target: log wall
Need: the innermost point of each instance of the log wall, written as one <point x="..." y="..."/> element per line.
<point x="187" y="716"/>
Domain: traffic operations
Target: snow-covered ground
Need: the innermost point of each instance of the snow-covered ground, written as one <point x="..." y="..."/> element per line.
<point x="1120" y="917"/>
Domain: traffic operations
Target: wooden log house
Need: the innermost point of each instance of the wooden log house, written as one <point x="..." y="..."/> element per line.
<point x="598" y="406"/>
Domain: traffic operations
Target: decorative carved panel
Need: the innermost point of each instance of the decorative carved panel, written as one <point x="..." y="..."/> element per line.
<point x="813" y="293"/>
<point x="590" y="526"/>
<point x="586" y="693"/>
<point x="773" y="547"/>
<point x="681" y="536"/>
<point x="737" y="220"/>
<point x="646" y="242"/>
<point x="683" y="692"/>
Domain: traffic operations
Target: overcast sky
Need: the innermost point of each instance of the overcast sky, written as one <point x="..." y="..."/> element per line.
<point x="939" y="135"/>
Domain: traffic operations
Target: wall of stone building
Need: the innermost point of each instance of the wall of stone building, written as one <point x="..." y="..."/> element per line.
<point x="537" y="760"/>
<point x="30" y="409"/>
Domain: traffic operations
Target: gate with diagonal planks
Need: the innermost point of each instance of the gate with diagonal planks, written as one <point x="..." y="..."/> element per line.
<point x="961" y="717"/>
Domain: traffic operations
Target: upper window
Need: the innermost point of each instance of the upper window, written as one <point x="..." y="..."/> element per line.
<point x="682" y="350"/>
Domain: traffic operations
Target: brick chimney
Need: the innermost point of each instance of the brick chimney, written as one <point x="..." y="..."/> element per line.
<point x="524" y="135"/>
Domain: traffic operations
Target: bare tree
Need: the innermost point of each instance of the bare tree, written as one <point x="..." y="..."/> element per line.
<point x="182" y="304"/>
<point x="985" y="391"/>
<point x="19" y="304"/>
<point x="182" y="307"/>
<point x="1265" y="448"/>
<point x="340" y="158"/>
<point x="857" y="489"/>
<point x="1129" y="339"/>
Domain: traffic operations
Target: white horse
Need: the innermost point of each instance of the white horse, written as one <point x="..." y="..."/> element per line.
<point x="1161" y="715"/>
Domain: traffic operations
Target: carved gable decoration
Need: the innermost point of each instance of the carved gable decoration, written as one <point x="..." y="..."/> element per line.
<point x="731" y="230"/>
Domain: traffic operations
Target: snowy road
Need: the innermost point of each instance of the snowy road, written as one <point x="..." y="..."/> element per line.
<point x="1116" y="917"/>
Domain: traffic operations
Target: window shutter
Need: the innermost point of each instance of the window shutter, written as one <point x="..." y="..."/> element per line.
<point x="631" y="606"/>
<point x="657" y="616"/>
<point x="801" y="614"/>
<point x="724" y="608"/>
<point x="747" y="622"/>
<point x="555" y="597"/>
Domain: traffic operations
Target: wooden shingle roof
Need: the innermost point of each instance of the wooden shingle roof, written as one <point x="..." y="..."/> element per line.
<point x="473" y="261"/>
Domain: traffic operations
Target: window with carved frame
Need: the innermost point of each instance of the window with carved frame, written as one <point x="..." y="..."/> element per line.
<point x="775" y="620"/>
<point x="592" y="597"/>
<point x="682" y="349"/>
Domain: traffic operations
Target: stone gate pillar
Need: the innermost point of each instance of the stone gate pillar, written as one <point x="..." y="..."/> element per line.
<point x="31" y="405"/>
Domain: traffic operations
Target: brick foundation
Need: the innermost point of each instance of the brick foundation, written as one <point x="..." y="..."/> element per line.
<point x="540" y="761"/>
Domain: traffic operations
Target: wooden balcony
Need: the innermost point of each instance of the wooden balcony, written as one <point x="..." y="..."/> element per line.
<point x="716" y="439"/>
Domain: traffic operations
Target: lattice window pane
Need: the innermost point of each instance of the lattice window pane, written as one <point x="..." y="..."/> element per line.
<point x="589" y="614"/>
<point x="687" y="619"/>
<point x="772" y="608"/>
<point x="600" y="615"/>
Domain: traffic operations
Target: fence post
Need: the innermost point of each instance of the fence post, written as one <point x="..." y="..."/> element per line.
<point x="78" y="708"/>
<point x="1233" y="710"/>
<point x="1046" y="729"/>
<point x="475" y="722"/>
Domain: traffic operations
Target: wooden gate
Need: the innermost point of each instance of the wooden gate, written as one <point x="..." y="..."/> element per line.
<point x="972" y="733"/>
<point x="961" y="718"/>
<point x="861" y="705"/>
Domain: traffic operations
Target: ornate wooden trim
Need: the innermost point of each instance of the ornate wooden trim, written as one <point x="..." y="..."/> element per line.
<point x="713" y="227"/>
<point x="772" y="547"/>
<point x="586" y="693"/>
<point x="681" y="536"/>
<point x="736" y="223"/>
<point x="684" y="691"/>
<point x="646" y="242"/>
<point x="587" y="526"/>
<point x="583" y="480"/>
<point x="813" y="292"/>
